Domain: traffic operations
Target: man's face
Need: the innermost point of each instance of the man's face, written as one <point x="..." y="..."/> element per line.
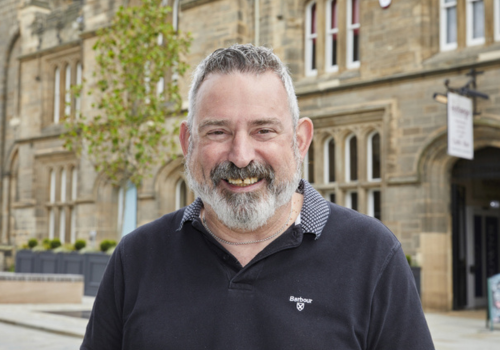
<point x="242" y="157"/>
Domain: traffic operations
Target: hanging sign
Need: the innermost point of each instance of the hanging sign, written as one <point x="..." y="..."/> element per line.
<point x="460" y="126"/>
<point x="384" y="3"/>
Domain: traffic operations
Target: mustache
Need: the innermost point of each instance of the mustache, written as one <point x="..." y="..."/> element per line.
<point x="228" y="170"/>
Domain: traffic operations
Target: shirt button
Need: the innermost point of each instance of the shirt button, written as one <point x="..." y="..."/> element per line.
<point x="225" y="257"/>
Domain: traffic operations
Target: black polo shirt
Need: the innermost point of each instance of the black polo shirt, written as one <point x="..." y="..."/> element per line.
<point x="335" y="280"/>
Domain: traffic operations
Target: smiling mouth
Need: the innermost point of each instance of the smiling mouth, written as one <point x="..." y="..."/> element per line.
<point x="243" y="182"/>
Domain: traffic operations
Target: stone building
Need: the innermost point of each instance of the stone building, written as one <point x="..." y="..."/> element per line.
<point x="364" y="74"/>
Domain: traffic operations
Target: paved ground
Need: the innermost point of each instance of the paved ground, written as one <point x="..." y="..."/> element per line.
<point x="22" y="338"/>
<point x="28" y="327"/>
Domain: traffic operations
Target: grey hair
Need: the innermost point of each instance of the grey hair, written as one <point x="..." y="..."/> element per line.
<point x="245" y="59"/>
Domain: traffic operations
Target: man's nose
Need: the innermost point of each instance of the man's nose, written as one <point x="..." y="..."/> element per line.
<point x="242" y="151"/>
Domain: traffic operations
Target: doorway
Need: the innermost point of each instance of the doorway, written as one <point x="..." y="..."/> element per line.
<point x="475" y="203"/>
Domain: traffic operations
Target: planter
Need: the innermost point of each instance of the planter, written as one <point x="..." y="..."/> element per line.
<point x="90" y="265"/>
<point x="416" y="274"/>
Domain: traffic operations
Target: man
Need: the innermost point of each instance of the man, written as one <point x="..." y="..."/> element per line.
<point x="260" y="260"/>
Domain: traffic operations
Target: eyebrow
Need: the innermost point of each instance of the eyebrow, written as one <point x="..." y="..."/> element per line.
<point x="266" y="121"/>
<point x="223" y="122"/>
<point x="213" y="122"/>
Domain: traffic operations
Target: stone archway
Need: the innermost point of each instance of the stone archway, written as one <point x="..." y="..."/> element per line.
<point x="435" y="168"/>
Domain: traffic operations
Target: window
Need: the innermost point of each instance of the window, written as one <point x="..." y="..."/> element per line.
<point x="374" y="204"/>
<point x="309" y="164"/>
<point x="52" y="199"/>
<point x="329" y="160"/>
<point x="311" y="36"/>
<point x="352" y="200"/>
<point x="57" y="95"/>
<point x="74" y="184"/>
<point x="351" y="158"/>
<point x="475" y="22"/>
<point x="127" y="208"/>
<point x="60" y="205"/>
<point x="448" y="22"/>
<point x="497" y="20"/>
<point x="332" y="31"/>
<point x="78" y="101"/>
<point x="353" y="28"/>
<point x="67" y="91"/>
<point x="331" y="197"/>
<point x="180" y="194"/>
<point x="373" y="156"/>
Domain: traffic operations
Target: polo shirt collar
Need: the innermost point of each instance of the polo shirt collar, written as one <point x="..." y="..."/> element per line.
<point x="313" y="216"/>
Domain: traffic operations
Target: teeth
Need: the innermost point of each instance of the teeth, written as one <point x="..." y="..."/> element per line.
<point x="243" y="182"/>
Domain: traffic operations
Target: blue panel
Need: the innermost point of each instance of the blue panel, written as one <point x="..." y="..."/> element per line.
<point x="130" y="210"/>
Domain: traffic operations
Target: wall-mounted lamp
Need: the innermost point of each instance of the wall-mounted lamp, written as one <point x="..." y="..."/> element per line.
<point x="441" y="98"/>
<point x="495" y="204"/>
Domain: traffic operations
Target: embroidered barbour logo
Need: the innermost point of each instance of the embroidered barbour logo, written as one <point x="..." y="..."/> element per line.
<point x="301" y="302"/>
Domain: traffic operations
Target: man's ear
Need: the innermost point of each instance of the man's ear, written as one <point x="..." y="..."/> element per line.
<point x="184" y="136"/>
<point x="305" y="131"/>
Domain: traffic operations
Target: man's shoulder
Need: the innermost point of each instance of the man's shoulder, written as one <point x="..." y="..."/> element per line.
<point x="349" y="226"/>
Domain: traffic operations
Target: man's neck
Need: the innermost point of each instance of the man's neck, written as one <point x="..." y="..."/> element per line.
<point x="283" y="218"/>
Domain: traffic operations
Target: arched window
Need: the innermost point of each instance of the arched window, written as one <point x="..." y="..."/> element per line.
<point x="309" y="164"/>
<point x="353" y="28"/>
<point x="373" y="156"/>
<point x="332" y="31"/>
<point x="329" y="160"/>
<point x="78" y="101"/>
<point x="52" y="199"/>
<point x="180" y="194"/>
<point x="311" y="36"/>
<point x="351" y="158"/>
<point x="57" y="95"/>
<point x="67" y="91"/>
<point x="74" y="184"/>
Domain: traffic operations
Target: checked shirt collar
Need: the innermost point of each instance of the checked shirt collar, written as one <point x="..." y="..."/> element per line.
<point x="313" y="216"/>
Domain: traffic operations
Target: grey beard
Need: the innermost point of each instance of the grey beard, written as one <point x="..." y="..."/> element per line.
<point x="245" y="211"/>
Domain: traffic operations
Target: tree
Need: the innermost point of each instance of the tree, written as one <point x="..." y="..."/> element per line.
<point x="132" y="126"/>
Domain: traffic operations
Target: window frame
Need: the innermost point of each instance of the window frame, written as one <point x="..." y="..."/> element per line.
<point x="178" y="193"/>
<point x="78" y="81"/>
<point x="443" y="25"/>
<point x="329" y="34"/>
<point x="57" y="96"/>
<point x="348" y="199"/>
<point x="67" y="91"/>
<point x="369" y="157"/>
<point x="351" y="27"/>
<point x="371" y="205"/>
<point x="496" y="19"/>
<point x="470" y="24"/>
<point x="326" y="161"/>
<point x="309" y="37"/>
<point x="347" y="159"/>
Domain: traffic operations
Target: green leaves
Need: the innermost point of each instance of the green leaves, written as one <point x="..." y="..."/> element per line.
<point x="132" y="125"/>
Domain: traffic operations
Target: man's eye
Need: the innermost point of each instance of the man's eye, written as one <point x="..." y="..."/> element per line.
<point x="265" y="131"/>
<point x="216" y="132"/>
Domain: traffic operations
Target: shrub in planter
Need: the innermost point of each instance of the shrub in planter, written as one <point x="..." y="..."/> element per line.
<point x="106" y="244"/>
<point x="32" y="243"/>
<point x="55" y="243"/>
<point x="80" y="244"/>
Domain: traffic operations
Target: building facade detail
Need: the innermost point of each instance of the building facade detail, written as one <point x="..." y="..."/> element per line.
<point x="380" y="139"/>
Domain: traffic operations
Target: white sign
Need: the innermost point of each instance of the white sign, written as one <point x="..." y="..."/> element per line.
<point x="460" y="126"/>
